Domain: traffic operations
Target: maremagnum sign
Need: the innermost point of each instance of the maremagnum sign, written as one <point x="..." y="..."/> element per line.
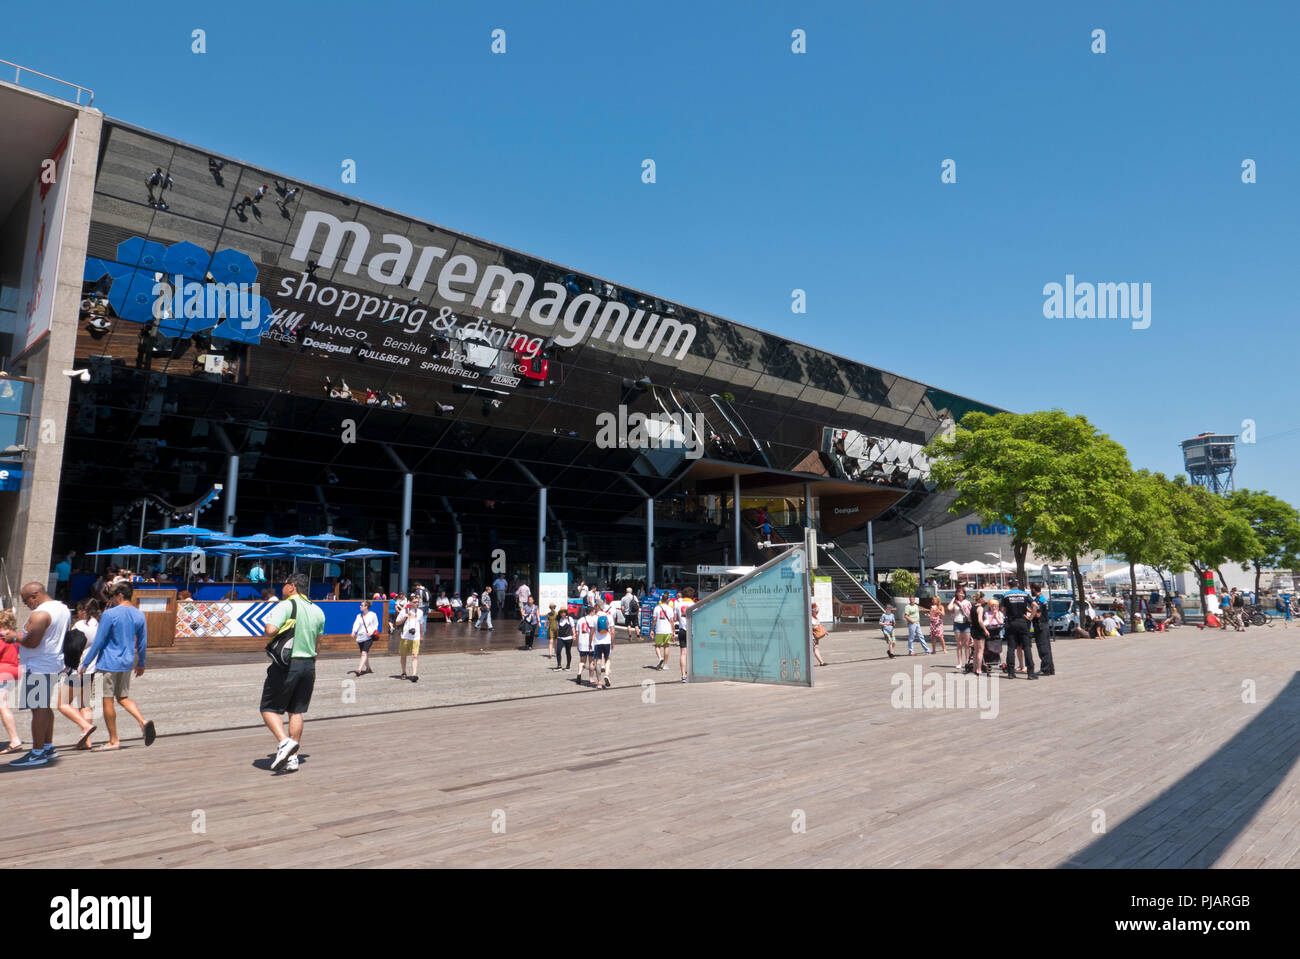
<point x="994" y="529"/>
<point x="461" y="279"/>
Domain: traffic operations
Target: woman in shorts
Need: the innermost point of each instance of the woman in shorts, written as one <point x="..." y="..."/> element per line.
<point x="665" y="628"/>
<point x="9" y="672"/>
<point x="960" y="609"/>
<point x="411" y="619"/>
<point x="585" y="660"/>
<point x="77" y="691"/>
<point x="364" y="630"/>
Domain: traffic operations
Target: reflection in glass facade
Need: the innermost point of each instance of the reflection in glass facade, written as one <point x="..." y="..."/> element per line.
<point x="291" y="316"/>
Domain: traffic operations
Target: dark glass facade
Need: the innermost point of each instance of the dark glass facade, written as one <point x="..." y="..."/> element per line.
<point x="479" y="368"/>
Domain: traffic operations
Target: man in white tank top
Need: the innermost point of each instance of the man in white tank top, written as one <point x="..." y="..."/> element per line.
<point x="40" y="651"/>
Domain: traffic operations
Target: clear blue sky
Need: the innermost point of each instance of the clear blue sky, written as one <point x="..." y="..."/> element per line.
<point x="818" y="171"/>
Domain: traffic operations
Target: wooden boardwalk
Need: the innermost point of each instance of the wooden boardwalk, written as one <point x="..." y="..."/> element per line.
<point x="1141" y="752"/>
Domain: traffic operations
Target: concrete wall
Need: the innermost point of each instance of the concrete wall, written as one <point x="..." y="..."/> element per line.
<point x="29" y="546"/>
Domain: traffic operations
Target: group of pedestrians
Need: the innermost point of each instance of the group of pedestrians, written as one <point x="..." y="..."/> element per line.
<point x="982" y="627"/>
<point x="53" y="663"/>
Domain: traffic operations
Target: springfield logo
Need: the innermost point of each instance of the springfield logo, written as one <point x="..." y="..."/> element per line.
<point x="947" y="691"/>
<point x="586" y="315"/>
<point x="645" y="431"/>
<point x="190" y="299"/>
<point x="102" y="913"/>
<point x="1102" y="301"/>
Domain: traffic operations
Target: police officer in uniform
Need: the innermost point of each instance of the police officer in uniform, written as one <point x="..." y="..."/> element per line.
<point x="1017" y="610"/>
<point x="1042" y="632"/>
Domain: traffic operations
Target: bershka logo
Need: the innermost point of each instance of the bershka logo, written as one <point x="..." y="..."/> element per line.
<point x="585" y="316"/>
<point x="1102" y="301"/>
<point x="214" y="302"/>
<point x="946" y="691"/>
<point x="76" y="912"/>
<point x="644" y="431"/>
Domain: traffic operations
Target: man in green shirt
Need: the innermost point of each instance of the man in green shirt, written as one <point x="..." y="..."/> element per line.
<point x="912" y="614"/>
<point x="288" y="688"/>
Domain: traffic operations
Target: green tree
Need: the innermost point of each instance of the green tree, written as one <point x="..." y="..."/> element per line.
<point x="1209" y="532"/>
<point x="1276" y="525"/>
<point x="1051" y="476"/>
<point x="1144" y="530"/>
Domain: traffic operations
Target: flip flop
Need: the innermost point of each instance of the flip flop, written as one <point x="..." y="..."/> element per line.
<point x="11" y="749"/>
<point x="150" y="734"/>
<point x="84" y="741"/>
<point x="106" y="748"/>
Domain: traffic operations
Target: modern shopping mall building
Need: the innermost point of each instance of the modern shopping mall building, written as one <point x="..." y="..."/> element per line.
<point x="333" y="365"/>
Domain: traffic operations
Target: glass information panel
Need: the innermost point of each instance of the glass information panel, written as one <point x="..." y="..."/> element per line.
<point x="756" y="629"/>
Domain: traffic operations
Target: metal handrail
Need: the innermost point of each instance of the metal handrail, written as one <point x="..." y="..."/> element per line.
<point x="19" y="70"/>
<point x="865" y="592"/>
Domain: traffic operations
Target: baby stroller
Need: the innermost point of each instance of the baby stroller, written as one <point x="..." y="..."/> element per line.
<point x="992" y="651"/>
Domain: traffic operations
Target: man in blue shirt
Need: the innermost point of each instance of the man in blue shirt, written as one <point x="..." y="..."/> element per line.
<point x="256" y="574"/>
<point x="119" y="648"/>
<point x="63" y="578"/>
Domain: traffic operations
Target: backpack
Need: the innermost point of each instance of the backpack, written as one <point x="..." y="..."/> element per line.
<point x="280" y="648"/>
<point x="602" y="623"/>
<point x="74" y="644"/>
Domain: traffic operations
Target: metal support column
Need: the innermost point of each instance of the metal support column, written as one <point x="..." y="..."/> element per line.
<point x="807" y="506"/>
<point x="920" y="550"/>
<point x="649" y="540"/>
<point x="408" y="491"/>
<point x="735" y="512"/>
<point x="404" y="570"/>
<point x="144" y="511"/>
<point x="871" y="557"/>
<point x="446" y="504"/>
<point x="541" y="537"/>
<point x="231" y="493"/>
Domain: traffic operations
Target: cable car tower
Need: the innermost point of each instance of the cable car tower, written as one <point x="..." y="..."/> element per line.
<point x="1210" y="459"/>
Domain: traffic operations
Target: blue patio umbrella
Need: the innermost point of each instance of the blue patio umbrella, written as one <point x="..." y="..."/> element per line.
<point x="233" y="266"/>
<point x="185" y="531"/>
<point x="326" y="538"/>
<point x="185" y="551"/>
<point x="132" y="296"/>
<point x="126" y="551"/>
<point x="365" y="554"/>
<point x="246" y="329"/>
<point x="263" y="539"/>
<point x="188" y="259"/>
<point x="236" y="549"/>
<point x="137" y="251"/>
<point x="95" y="270"/>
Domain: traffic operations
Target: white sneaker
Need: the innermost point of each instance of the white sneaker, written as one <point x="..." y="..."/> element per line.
<point x="291" y="764"/>
<point x="287" y="749"/>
